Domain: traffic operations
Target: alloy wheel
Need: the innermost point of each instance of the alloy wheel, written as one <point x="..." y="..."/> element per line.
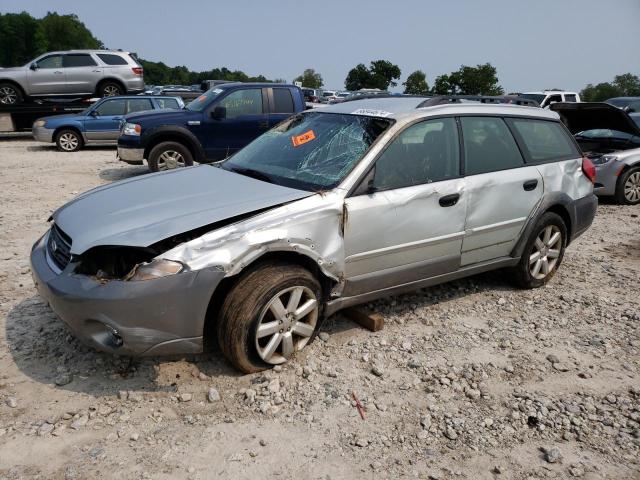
<point x="68" y="142"/>
<point x="170" y="159"/>
<point x="110" y="91"/>
<point x="546" y="251"/>
<point x="8" y="95"/>
<point x="283" y="330"/>
<point x="632" y="187"/>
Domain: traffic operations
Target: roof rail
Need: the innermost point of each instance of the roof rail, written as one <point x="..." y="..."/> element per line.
<point x="382" y="95"/>
<point x="444" y="99"/>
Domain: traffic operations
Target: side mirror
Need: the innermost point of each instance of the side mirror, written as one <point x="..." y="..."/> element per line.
<point x="94" y="113"/>
<point x="367" y="186"/>
<point x="33" y="66"/>
<point x="219" y="113"/>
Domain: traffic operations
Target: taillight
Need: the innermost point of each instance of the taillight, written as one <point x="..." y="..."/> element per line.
<point x="137" y="70"/>
<point x="589" y="169"/>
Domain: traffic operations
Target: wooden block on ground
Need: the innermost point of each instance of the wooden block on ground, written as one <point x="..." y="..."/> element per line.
<point x="371" y="321"/>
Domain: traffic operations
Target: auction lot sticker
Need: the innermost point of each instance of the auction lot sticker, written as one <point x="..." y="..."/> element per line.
<point x="303" y="138"/>
<point x="370" y="112"/>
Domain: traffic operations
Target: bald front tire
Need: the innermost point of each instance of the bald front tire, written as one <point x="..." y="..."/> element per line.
<point x="240" y="313"/>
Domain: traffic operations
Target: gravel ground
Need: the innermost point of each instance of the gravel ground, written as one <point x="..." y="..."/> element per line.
<point x="469" y="380"/>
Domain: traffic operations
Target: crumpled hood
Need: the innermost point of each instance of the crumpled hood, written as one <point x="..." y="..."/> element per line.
<point x="141" y="211"/>
<point x="580" y="117"/>
<point x="164" y="115"/>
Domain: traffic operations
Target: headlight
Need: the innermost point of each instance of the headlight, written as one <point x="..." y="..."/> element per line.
<point x="604" y="159"/>
<point x="155" y="269"/>
<point x="132" y="129"/>
<point x="39" y="123"/>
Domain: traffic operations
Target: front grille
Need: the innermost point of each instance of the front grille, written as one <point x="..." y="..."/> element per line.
<point x="59" y="247"/>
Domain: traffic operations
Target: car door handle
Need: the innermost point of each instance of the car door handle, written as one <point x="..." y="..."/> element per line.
<point x="530" y="185"/>
<point x="263" y="125"/>
<point x="58" y="72"/>
<point x="449" y="200"/>
<point x="96" y="71"/>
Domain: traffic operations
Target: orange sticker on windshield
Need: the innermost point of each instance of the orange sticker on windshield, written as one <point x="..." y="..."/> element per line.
<point x="304" y="138"/>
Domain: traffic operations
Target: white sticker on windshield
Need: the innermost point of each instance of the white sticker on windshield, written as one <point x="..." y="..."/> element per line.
<point x="217" y="91"/>
<point x="371" y="113"/>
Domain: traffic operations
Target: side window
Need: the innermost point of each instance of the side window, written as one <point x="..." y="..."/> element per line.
<point x="425" y="152"/>
<point x="111" y="107"/>
<point x="138" y="105"/>
<point x="78" y="60"/>
<point x="569" y="97"/>
<point x="282" y="101"/>
<point x="544" y="140"/>
<point x="111" y="59"/>
<point x="167" y="103"/>
<point x="553" y="99"/>
<point x="489" y="145"/>
<point x="243" y="102"/>
<point x="52" y="61"/>
<point x="634" y="107"/>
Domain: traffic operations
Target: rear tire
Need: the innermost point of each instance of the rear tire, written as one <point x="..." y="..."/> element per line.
<point x="270" y="314"/>
<point x="69" y="141"/>
<point x="169" y="155"/>
<point x="628" y="187"/>
<point x="542" y="253"/>
<point x="110" y="89"/>
<point x="10" y="94"/>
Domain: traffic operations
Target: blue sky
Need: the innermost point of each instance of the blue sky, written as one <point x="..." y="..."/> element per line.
<point x="533" y="44"/>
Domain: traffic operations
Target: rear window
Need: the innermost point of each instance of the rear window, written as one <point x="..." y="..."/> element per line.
<point x="569" y="97"/>
<point x="489" y="145"/>
<point x="544" y="140"/>
<point x="111" y="59"/>
<point x="138" y="105"/>
<point x="282" y="101"/>
<point x="167" y="103"/>
<point x="78" y="60"/>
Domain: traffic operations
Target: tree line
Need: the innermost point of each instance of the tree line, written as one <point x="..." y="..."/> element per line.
<point x="23" y="37"/>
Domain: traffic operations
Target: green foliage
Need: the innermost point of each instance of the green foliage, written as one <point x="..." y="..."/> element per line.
<point x="416" y="84"/>
<point x="310" y="79"/>
<point x="381" y="74"/>
<point x="625" y="85"/>
<point x="478" y="80"/>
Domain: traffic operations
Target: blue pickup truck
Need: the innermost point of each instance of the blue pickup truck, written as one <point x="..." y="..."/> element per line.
<point x="99" y="123"/>
<point x="213" y="126"/>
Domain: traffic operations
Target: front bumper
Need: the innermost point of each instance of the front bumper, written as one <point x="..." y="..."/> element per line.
<point x="155" y="317"/>
<point x="131" y="155"/>
<point x="42" y="134"/>
<point x="607" y="178"/>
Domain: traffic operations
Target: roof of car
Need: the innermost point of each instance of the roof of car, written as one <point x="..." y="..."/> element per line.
<point x="253" y="84"/>
<point x="400" y="107"/>
<point x="89" y="50"/>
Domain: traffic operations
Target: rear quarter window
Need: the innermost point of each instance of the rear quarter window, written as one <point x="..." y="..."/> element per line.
<point x="282" y="101"/>
<point x="167" y="103"/>
<point x="111" y="59"/>
<point x="544" y="140"/>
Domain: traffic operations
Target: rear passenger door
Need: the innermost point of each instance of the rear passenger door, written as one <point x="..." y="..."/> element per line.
<point x="410" y="226"/>
<point x="281" y="105"/>
<point x="82" y="73"/>
<point x="502" y="191"/>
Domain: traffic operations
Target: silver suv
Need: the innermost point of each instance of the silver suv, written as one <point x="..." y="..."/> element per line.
<point x="331" y="208"/>
<point x="77" y="72"/>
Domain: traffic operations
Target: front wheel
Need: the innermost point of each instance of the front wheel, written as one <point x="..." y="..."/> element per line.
<point x="628" y="188"/>
<point x="69" y="141"/>
<point x="543" y="252"/>
<point x="169" y="155"/>
<point x="10" y="94"/>
<point x="269" y="315"/>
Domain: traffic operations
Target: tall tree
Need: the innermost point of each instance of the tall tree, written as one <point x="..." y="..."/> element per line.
<point x="310" y="79"/>
<point x="20" y="39"/>
<point x="628" y="84"/>
<point x="416" y="84"/>
<point x="600" y="92"/>
<point x="381" y="74"/>
<point x="478" y="80"/>
<point x="66" y="32"/>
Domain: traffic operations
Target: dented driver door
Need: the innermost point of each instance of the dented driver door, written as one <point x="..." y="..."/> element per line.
<point x="408" y="225"/>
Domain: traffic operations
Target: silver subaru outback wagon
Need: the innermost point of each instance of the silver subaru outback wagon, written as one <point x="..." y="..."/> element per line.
<point x="329" y="209"/>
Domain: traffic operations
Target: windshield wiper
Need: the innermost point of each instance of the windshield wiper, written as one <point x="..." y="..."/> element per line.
<point x="250" y="172"/>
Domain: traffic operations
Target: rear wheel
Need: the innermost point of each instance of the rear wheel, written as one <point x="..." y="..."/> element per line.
<point x="169" y="155"/>
<point x="110" y="89"/>
<point x="543" y="252"/>
<point x="628" y="188"/>
<point x="268" y="316"/>
<point x="10" y="94"/>
<point x="69" y="141"/>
